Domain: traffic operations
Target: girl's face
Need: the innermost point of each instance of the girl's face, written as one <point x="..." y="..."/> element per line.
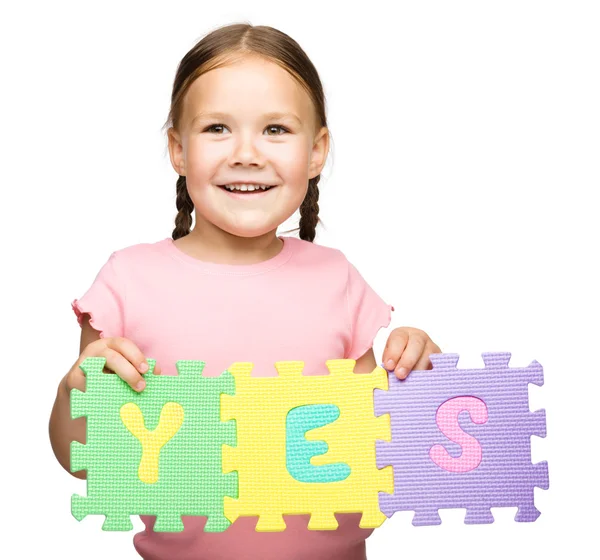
<point x="246" y="142"/>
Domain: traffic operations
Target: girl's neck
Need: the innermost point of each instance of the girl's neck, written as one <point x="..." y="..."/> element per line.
<point x="224" y="248"/>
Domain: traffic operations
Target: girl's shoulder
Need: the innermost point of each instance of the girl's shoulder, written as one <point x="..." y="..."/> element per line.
<point x="143" y="250"/>
<point x="141" y="255"/>
<point x="320" y="262"/>
<point x="317" y="252"/>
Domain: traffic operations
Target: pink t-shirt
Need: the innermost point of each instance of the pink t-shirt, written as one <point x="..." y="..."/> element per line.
<point x="306" y="303"/>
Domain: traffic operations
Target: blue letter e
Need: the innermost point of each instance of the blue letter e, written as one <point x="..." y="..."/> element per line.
<point x="299" y="450"/>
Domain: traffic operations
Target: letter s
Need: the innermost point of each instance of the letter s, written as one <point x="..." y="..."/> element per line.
<point x="447" y="420"/>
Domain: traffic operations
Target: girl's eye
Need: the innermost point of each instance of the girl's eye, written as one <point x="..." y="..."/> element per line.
<point x="210" y="128"/>
<point x="271" y="126"/>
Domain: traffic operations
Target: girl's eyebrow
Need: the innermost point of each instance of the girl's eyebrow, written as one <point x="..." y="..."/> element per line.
<point x="219" y="115"/>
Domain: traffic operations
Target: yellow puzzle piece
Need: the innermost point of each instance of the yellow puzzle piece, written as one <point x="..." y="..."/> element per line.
<point x="261" y="406"/>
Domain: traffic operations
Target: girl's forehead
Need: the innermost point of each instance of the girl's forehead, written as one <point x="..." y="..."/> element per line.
<point x="254" y="86"/>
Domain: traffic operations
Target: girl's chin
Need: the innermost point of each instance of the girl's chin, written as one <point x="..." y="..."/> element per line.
<point x="249" y="230"/>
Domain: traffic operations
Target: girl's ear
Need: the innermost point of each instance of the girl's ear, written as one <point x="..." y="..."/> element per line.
<point x="319" y="153"/>
<point x="176" y="151"/>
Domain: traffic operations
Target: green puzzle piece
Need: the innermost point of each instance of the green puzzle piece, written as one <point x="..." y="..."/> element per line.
<point x="177" y="470"/>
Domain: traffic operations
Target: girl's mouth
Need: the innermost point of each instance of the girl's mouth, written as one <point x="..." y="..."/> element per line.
<point x="244" y="191"/>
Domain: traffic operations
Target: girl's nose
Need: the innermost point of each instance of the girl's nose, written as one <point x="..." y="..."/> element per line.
<point x="246" y="151"/>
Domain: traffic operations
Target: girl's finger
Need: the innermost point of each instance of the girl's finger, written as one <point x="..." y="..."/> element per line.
<point x="394" y="347"/>
<point x="129" y="351"/>
<point x="124" y="369"/>
<point x="410" y="356"/>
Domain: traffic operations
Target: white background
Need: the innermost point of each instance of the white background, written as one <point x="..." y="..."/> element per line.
<point x="462" y="183"/>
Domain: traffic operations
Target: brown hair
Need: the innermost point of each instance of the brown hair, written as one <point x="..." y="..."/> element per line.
<point x="229" y="44"/>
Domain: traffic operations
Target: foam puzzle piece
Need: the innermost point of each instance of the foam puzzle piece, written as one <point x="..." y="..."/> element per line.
<point x="443" y="460"/>
<point x="342" y="404"/>
<point x="157" y="452"/>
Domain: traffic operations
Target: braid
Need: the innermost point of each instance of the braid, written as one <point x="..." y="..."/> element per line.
<point x="309" y="210"/>
<point x="185" y="207"/>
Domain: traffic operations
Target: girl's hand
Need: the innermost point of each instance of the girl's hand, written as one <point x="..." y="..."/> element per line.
<point x="123" y="357"/>
<point x="407" y="349"/>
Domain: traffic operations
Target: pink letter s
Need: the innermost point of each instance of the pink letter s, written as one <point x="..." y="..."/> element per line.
<point x="447" y="420"/>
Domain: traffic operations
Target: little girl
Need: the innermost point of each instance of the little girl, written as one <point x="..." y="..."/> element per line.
<point x="248" y="139"/>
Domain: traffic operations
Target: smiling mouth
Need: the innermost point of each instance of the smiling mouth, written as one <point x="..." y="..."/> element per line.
<point x="255" y="190"/>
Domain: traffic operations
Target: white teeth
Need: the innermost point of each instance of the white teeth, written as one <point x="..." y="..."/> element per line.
<point x="246" y="187"/>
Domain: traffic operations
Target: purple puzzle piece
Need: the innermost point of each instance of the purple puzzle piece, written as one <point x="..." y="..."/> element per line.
<point x="434" y="472"/>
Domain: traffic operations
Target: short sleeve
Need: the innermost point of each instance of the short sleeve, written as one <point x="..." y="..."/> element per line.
<point x="103" y="301"/>
<point x="367" y="313"/>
